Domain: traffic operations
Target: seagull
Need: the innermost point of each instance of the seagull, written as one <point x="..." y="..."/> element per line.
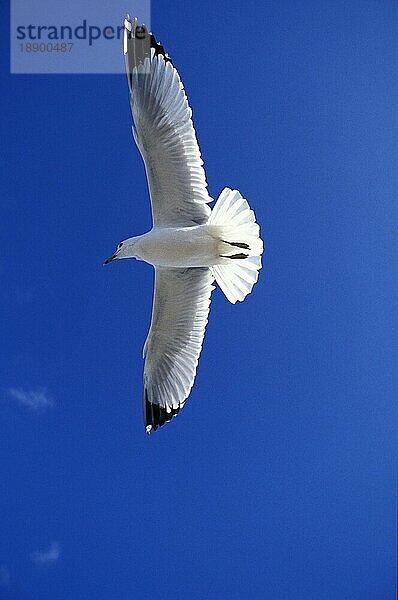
<point x="190" y="245"/>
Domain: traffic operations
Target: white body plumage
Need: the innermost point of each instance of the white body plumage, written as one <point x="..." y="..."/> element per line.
<point x="175" y="247"/>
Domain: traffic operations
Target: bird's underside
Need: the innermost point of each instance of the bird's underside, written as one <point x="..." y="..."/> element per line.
<point x="165" y="136"/>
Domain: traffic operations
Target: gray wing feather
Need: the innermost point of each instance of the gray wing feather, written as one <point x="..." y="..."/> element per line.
<point x="179" y="316"/>
<point x="164" y="133"/>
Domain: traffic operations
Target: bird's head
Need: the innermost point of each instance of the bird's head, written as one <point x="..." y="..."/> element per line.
<point x="124" y="250"/>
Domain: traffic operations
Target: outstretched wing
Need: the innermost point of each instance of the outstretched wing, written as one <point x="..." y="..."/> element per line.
<point x="164" y="132"/>
<point x="180" y="311"/>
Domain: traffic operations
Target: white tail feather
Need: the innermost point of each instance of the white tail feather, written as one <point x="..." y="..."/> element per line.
<point x="240" y="245"/>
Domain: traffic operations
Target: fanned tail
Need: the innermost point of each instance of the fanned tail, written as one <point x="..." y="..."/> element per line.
<point x="240" y="245"/>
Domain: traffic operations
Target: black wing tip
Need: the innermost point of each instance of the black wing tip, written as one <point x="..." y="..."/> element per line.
<point x="140" y="32"/>
<point x="159" y="49"/>
<point x="155" y="416"/>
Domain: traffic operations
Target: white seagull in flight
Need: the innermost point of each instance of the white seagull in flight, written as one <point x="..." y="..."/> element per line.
<point x="190" y="245"/>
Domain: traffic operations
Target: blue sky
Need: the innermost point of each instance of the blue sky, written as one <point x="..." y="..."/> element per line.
<point x="277" y="478"/>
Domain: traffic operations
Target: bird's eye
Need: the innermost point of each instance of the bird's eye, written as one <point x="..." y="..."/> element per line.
<point x="120" y="245"/>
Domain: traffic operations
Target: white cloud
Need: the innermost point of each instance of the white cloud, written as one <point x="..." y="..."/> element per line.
<point x="47" y="557"/>
<point x="4" y="576"/>
<point x="34" y="399"/>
